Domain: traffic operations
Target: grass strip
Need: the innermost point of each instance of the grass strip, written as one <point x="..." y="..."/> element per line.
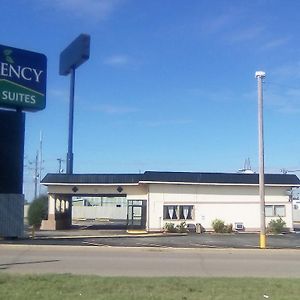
<point x="74" y="287"/>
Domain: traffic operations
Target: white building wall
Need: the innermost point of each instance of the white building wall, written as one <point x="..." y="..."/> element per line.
<point x="230" y="203"/>
<point x="296" y="215"/>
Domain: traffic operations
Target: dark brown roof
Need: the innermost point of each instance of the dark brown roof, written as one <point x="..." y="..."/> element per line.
<point x="153" y="176"/>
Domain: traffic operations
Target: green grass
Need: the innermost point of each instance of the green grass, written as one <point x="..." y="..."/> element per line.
<point x="165" y="288"/>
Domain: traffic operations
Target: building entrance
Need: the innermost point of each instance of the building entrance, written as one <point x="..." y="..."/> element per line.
<point x="136" y="214"/>
<point x="101" y="211"/>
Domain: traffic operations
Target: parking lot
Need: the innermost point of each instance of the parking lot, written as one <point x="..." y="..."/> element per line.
<point x="200" y="241"/>
<point x="120" y="238"/>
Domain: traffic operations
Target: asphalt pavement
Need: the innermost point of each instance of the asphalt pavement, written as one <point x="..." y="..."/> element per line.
<point x="121" y="238"/>
<point x="115" y="261"/>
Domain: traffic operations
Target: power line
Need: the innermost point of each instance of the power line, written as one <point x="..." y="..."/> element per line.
<point x="281" y="85"/>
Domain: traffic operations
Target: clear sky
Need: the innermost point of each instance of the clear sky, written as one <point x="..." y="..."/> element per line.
<point x="169" y="86"/>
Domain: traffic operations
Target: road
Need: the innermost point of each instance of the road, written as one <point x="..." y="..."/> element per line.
<point x="113" y="261"/>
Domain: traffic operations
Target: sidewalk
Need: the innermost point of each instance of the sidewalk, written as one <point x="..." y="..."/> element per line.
<point x="81" y="231"/>
<point x="78" y="233"/>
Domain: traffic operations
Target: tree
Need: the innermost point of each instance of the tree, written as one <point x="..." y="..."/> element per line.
<point x="38" y="211"/>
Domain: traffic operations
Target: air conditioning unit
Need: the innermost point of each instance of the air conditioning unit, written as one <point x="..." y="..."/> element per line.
<point x="239" y="226"/>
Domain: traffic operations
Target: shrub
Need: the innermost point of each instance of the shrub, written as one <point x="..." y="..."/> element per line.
<point x="181" y="227"/>
<point x="170" y="227"/>
<point x="276" y="226"/>
<point x="228" y="228"/>
<point x="220" y="227"/>
<point x="38" y="211"/>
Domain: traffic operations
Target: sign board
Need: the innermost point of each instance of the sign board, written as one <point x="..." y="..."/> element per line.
<point x="75" y="54"/>
<point x="23" y="77"/>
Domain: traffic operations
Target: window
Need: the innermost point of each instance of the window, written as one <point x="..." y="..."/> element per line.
<point x="185" y="212"/>
<point x="269" y="211"/>
<point x="178" y="212"/>
<point x="275" y="211"/>
<point x="170" y="212"/>
<point x="105" y="201"/>
<point x="279" y="210"/>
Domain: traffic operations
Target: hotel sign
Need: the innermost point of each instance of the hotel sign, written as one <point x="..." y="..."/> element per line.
<point x="23" y="76"/>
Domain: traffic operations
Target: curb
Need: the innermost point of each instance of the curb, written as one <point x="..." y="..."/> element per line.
<point x="132" y="235"/>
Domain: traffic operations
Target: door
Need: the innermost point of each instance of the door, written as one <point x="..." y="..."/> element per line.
<point x="136" y="214"/>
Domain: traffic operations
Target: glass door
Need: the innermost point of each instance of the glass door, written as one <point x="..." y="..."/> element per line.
<point x="136" y="214"/>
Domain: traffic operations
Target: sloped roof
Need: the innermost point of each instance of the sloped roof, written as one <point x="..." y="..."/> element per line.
<point x="153" y="176"/>
<point x="235" y="178"/>
<point x="91" y="178"/>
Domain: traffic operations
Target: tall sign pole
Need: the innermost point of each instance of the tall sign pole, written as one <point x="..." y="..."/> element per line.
<point x="260" y="75"/>
<point x="71" y="58"/>
<point x="71" y="124"/>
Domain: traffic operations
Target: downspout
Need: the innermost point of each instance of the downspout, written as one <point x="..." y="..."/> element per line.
<point x="292" y="207"/>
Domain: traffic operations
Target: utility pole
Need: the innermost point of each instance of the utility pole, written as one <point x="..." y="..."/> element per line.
<point x="40" y="160"/>
<point x="260" y="75"/>
<point x="34" y="166"/>
<point x="60" y="160"/>
<point x="36" y="174"/>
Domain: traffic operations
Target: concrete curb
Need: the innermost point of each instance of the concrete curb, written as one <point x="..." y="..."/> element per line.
<point x="159" y="249"/>
<point x="132" y="235"/>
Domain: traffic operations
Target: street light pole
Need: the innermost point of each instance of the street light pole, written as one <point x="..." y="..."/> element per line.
<point x="259" y="75"/>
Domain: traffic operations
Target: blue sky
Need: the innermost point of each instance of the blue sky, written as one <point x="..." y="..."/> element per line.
<point x="169" y="85"/>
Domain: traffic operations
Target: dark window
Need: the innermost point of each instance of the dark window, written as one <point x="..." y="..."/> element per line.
<point x="185" y="212"/>
<point x="178" y="212"/>
<point x="170" y="212"/>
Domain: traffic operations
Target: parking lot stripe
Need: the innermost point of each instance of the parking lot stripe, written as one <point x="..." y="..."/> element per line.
<point x="96" y="244"/>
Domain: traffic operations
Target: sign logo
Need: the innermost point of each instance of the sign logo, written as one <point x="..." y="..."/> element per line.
<point x="23" y="77"/>
<point x="7" y="53"/>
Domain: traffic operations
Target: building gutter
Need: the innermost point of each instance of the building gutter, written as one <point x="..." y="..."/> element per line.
<point x="88" y="184"/>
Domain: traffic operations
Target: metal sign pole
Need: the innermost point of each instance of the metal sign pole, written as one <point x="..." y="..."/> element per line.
<point x="71" y="58"/>
<point x="71" y="124"/>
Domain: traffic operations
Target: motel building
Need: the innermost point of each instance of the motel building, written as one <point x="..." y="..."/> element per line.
<point x="149" y="200"/>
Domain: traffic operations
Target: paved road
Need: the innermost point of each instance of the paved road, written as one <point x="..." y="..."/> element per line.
<point x="112" y="261"/>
